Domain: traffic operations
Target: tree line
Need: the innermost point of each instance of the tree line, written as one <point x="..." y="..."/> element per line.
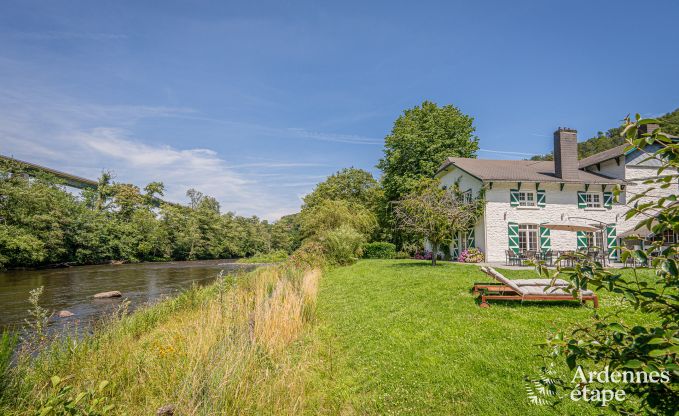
<point x="43" y="224"/>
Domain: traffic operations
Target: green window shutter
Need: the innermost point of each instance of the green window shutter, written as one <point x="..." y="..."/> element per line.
<point x="542" y="200"/>
<point x="611" y="244"/>
<point x="545" y="241"/>
<point x="514" y="197"/>
<point x="455" y="248"/>
<point x="471" y="239"/>
<point x="582" y="239"/>
<point x="608" y="200"/>
<point x="513" y="232"/>
<point x="582" y="203"/>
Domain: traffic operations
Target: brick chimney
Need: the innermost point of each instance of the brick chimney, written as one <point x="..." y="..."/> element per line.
<point x="648" y="128"/>
<point x="566" y="153"/>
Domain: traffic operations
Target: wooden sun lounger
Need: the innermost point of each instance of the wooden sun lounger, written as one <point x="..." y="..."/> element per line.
<point x="523" y="290"/>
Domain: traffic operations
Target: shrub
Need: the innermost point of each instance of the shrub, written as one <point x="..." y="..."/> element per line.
<point x="471" y="255"/>
<point x="379" y="250"/>
<point x="272" y="257"/>
<point x="426" y="255"/>
<point x="328" y="216"/>
<point x="310" y="254"/>
<point x="402" y="255"/>
<point x="343" y="245"/>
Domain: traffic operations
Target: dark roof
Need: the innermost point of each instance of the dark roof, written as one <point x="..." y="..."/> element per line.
<point x="603" y="156"/>
<point x="642" y="232"/>
<point x="521" y="170"/>
<point x="610" y="154"/>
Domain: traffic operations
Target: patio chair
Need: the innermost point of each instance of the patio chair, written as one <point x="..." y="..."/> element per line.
<point x="513" y="259"/>
<point x="566" y="258"/>
<point x="527" y="290"/>
<point x="548" y="257"/>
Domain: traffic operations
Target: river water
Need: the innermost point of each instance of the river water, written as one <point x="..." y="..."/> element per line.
<point x="73" y="288"/>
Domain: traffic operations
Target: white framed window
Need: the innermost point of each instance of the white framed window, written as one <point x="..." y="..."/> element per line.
<point x="667" y="237"/>
<point x="467" y="196"/>
<point x="595" y="239"/>
<point x="593" y="200"/>
<point x="527" y="199"/>
<point x="461" y="238"/>
<point x="528" y="237"/>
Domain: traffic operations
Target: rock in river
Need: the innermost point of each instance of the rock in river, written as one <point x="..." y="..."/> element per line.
<point x="111" y="294"/>
<point x="65" y="314"/>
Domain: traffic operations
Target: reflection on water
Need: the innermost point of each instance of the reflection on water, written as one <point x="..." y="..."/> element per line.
<point x="72" y="288"/>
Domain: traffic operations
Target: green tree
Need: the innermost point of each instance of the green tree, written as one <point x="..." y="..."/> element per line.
<point x="153" y="192"/>
<point x="99" y="198"/>
<point x="436" y="214"/>
<point x="286" y="233"/>
<point x="421" y="139"/>
<point x="330" y="215"/>
<point x="353" y="185"/>
<point x="256" y="235"/>
<point x="37" y="217"/>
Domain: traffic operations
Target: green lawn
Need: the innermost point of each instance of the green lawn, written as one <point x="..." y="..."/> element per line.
<point x="401" y="337"/>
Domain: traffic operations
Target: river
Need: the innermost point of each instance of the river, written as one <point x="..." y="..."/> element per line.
<point x="73" y="288"/>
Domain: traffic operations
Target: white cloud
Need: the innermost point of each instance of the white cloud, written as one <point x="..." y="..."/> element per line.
<point x="332" y="137"/>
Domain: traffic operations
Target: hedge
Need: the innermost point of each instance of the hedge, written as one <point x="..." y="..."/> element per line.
<point x="379" y="250"/>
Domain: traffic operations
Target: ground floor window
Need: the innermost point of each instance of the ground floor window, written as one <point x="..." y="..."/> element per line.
<point x="667" y="237"/>
<point x="462" y="238"/>
<point x="528" y="237"/>
<point x="595" y="239"/>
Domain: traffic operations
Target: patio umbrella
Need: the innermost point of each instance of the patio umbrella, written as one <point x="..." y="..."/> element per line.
<point x="569" y="226"/>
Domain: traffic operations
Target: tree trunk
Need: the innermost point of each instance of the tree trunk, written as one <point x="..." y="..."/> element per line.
<point x="434" y="252"/>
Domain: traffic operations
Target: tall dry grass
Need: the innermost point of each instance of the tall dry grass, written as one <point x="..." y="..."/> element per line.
<point x="231" y="348"/>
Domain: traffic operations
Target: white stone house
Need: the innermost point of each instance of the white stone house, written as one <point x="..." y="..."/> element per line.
<point x="523" y="195"/>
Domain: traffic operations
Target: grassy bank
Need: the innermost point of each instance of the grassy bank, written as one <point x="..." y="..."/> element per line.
<point x="377" y="337"/>
<point x="272" y="257"/>
<point x="225" y="349"/>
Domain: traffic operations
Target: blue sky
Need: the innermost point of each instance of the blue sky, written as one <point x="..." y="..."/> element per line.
<point x="255" y="102"/>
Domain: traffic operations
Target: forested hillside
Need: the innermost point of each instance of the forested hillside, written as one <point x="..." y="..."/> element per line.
<point x="611" y="138"/>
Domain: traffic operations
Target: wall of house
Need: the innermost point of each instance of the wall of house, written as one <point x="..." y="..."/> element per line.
<point x="560" y="205"/>
<point x="636" y="175"/>
<point x="635" y="167"/>
<point x="610" y="168"/>
<point x="465" y="182"/>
